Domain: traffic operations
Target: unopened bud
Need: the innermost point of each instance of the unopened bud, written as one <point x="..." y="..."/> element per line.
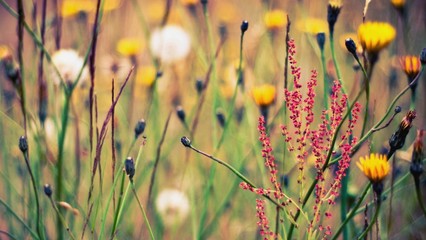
<point x="416" y="167"/>
<point x="199" y="85"/>
<point x="129" y="167"/>
<point x="397" y="139"/>
<point x="351" y="46"/>
<point x="423" y="56"/>
<point x="185" y="141"/>
<point x="180" y="113"/>
<point x="244" y="26"/>
<point x="321" y="40"/>
<point x="140" y="127"/>
<point x="47" y="190"/>
<point x="220" y="117"/>
<point x="23" y="144"/>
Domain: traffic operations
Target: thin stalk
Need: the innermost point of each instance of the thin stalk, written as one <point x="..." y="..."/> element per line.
<point x="9" y="209"/>
<point x="376" y="214"/>
<point x="62" y="220"/>
<point x="119" y="205"/>
<point x="60" y="160"/>
<point x="143" y="211"/>
<point x="21" y="84"/>
<point x="419" y="195"/>
<point x="39" y="227"/>
<point x="326" y="81"/>
<point x="351" y="213"/>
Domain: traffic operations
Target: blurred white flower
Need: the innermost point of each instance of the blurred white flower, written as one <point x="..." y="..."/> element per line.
<point x="173" y="206"/>
<point x="69" y="64"/>
<point x="170" y="44"/>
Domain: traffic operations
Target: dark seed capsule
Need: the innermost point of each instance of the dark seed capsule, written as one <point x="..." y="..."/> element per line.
<point x="180" y="113"/>
<point x="244" y="26"/>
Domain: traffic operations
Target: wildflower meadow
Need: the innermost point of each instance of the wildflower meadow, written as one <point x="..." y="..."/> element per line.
<point x="212" y="119"/>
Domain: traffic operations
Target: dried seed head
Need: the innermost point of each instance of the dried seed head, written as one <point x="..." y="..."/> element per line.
<point x="129" y="166"/>
<point x="185" y="141"/>
<point x="66" y="206"/>
<point x="140" y="127"/>
<point x="47" y="190"/>
<point x="23" y="144"/>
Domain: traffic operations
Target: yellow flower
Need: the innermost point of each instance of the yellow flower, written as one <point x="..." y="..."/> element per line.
<point x="375" y="167"/>
<point x="374" y="36"/>
<point x="189" y="2"/>
<point x="312" y="25"/>
<point x="4" y="52"/>
<point x="335" y="3"/>
<point x="275" y="19"/>
<point x="129" y="46"/>
<point x="146" y="76"/>
<point x="398" y="4"/>
<point x="74" y="7"/>
<point x="264" y="95"/>
<point x="410" y="65"/>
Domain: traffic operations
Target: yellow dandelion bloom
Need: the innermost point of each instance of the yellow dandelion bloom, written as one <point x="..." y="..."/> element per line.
<point x="398" y="4"/>
<point x="129" y="46"/>
<point x="146" y="76"/>
<point x="374" y="36"/>
<point x="312" y="25"/>
<point x="410" y="65"/>
<point x="264" y="95"/>
<point x="275" y="19"/>
<point x="375" y="167"/>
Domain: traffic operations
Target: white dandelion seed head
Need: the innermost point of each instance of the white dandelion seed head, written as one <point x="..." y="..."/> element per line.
<point x="173" y="206"/>
<point x="170" y="44"/>
<point x="69" y="64"/>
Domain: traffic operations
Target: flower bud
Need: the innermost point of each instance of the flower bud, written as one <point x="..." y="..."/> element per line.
<point x="416" y="167"/>
<point x="23" y="144"/>
<point x="333" y="11"/>
<point x="185" y="141"/>
<point x="397" y="139"/>
<point x="199" y="85"/>
<point x="140" y="127"/>
<point x="220" y="117"/>
<point x="244" y="26"/>
<point x="47" y="190"/>
<point x="423" y="56"/>
<point x="129" y="167"/>
<point x="350" y="46"/>
<point x="321" y="40"/>
<point x="180" y="113"/>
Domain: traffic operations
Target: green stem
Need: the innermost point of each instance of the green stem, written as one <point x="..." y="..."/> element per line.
<point x="39" y="227"/>
<point x="9" y="209"/>
<point x="61" y="218"/>
<point x="60" y="160"/>
<point x="413" y="99"/>
<point x="326" y="80"/>
<point x="419" y="195"/>
<point x="143" y="211"/>
<point x="351" y="213"/>
<point x="119" y="205"/>
<point x="376" y="214"/>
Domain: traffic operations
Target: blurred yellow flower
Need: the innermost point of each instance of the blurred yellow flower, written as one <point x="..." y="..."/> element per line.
<point x="189" y="2"/>
<point x="226" y="12"/>
<point x="146" y="76"/>
<point x="275" y="19"/>
<point x="312" y="25"/>
<point x="374" y="36"/>
<point x="398" y="4"/>
<point x="74" y="7"/>
<point x="4" y="51"/>
<point x="375" y="167"/>
<point x="129" y="46"/>
<point x="410" y="65"/>
<point x="335" y="3"/>
<point x="264" y="95"/>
